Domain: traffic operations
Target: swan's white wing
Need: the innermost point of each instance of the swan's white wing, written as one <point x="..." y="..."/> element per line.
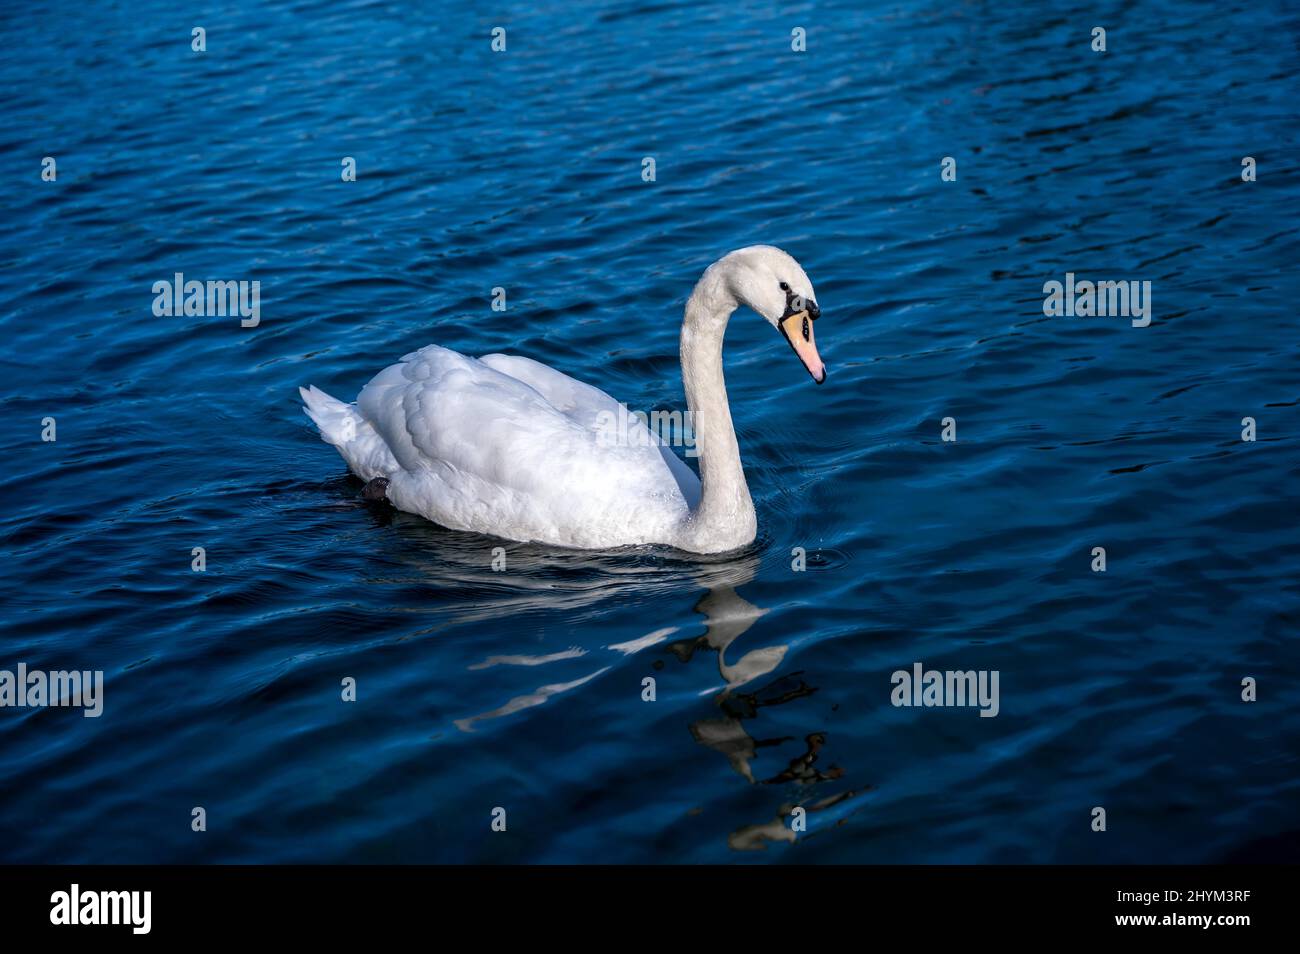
<point x="479" y="449"/>
<point x="591" y="407"/>
<point x="567" y="395"/>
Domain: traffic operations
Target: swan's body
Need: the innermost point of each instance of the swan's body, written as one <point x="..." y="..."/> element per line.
<point x="507" y="446"/>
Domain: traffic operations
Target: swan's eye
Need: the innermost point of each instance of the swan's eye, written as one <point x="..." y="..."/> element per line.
<point x="785" y="287"/>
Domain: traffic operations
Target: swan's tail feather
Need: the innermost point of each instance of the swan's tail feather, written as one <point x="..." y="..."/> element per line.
<point x="356" y="438"/>
<point x="338" y="422"/>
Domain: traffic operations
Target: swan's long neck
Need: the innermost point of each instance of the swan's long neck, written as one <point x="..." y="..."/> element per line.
<point x="725" y="518"/>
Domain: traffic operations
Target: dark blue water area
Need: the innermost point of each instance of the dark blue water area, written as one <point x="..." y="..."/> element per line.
<point x="522" y="689"/>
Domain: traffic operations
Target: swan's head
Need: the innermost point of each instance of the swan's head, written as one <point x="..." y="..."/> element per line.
<point x="771" y="282"/>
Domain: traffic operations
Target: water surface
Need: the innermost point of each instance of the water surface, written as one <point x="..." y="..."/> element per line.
<point x="523" y="689"/>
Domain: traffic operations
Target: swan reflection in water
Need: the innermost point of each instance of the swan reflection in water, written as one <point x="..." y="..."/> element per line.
<point x="727" y="616"/>
<point x="578" y="586"/>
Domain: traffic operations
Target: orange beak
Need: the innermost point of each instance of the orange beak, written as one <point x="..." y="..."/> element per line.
<point x="798" y="330"/>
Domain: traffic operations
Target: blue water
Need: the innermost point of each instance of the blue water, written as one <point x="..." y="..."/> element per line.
<point x="522" y="169"/>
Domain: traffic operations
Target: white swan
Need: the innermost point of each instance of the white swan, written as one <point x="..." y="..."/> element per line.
<point x="507" y="446"/>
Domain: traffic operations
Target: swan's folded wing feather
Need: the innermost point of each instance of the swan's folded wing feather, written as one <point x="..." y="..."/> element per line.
<point x="467" y="425"/>
<point x="440" y="409"/>
<point x="575" y="399"/>
<point x="592" y="408"/>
